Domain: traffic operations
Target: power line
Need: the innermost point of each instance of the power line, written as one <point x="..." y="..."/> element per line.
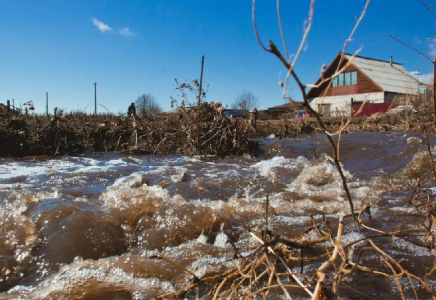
<point x="217" y="67"/>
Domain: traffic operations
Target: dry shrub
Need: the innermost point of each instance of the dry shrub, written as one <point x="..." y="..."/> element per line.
<point x="207" y="131"/>
<point x="199" y="130"/>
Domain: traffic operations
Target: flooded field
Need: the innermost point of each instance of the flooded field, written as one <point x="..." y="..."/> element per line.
<point x="87" y="227"/>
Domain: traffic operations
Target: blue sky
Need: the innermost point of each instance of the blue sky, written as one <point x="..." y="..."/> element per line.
<point x="140" y="46"/>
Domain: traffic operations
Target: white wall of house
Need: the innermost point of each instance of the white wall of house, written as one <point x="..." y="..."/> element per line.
<point x="341" y="105"/>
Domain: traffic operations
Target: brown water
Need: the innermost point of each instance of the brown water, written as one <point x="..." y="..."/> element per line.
<point x="86" y="227"/>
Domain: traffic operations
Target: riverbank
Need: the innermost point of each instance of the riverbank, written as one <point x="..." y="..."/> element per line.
<point x="194" y="131"/>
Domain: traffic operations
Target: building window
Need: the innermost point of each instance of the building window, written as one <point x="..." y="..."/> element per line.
<point x="347" y="78"/>
<point x="353" y="78"/>
<point x="341" y="79"/>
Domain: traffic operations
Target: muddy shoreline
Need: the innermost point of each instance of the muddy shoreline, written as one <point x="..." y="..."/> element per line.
<point x="200" y="131"/>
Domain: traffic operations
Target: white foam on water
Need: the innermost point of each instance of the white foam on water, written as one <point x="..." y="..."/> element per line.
<point x="202" y="239"/>
<point x="75" y="280"/>
<point x="179" y="176"/>
<point x="351" y="237"/>
<point x="207" y="264"/>
<point x="126" y="192"/>
<point x="18" y="235"/>
<point x="63" y="164"/>
<point x="91" y="169"/>
<point x="411" y="248"/>
<point x="117" y="162"/>
<point x="290" y="220"/>
<point x="221" y="240"/>
<point x="16" y="186"/>
<point x="134" y="179"/>
<point x="56" y="166"/>
<point x="15" y="169"/>
<point x="266" y="167"/>
<point x="318" y="187"/>
<point x="408" y="210"/>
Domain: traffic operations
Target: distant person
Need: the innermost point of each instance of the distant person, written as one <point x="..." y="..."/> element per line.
<point x="132" y="110"/>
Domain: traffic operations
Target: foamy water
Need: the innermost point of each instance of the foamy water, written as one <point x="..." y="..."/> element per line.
<point x="88" y="227"/>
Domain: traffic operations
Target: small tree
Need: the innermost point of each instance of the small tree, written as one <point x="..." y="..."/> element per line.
<point x="246" y="100"/>
<point x="186" y="91"/>
<point x="146" y="105"/>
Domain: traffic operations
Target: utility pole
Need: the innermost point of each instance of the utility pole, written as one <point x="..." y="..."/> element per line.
<point x="95" y="97"/>
<point x="13" y="103"/>
<point x="201" y="80"/>
<point x="46" y="103"/>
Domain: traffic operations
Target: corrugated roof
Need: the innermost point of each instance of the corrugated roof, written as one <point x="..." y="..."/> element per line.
<point x="393" y="78"/>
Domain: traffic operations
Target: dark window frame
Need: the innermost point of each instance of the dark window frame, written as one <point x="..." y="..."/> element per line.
<point x="345" y="79"/>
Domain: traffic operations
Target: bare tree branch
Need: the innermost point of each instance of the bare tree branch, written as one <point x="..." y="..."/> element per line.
<point x="246" y="100"/>
<point x="146" y="104"/>
<point x="253" y="16"/>
<point x="413" y="48"/>
<point x="279" y="17"/>
<point x="274" y="50"/>
<point x="429" y="8"/>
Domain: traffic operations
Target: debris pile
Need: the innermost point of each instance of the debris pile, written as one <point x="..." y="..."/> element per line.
<point x="196" y="130"/>
<point x="199" y="130"/>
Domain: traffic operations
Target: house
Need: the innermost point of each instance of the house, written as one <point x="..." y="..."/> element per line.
<point x="385" y="83"/>
<point x="276" y="112"/>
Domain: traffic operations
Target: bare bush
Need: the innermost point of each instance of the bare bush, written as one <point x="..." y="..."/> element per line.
<point x="187" y="90"/>
<point x="146" y="106"/>
<point x="246" y="100"/>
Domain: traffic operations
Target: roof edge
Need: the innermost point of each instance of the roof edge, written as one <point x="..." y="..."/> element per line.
<point x="370" y="58"/>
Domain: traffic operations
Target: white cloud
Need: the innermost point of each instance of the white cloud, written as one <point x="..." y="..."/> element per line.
<point x="417" y="40"/>
<point x="431" y="49"/>
<point x="125" y="32"/>
<point x="106" y="28"/>
<point x="428" y="78"/>
<point x="101" y="26"/>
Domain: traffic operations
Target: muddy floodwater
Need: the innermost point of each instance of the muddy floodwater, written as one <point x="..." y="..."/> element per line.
<point x="87" y="227"/>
